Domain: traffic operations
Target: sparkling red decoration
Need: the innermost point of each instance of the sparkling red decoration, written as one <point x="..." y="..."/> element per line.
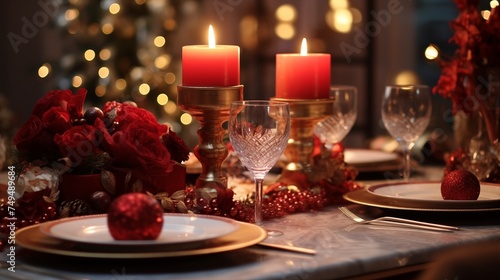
<point x="135" y="216"/>
<point x="460" y="185"/>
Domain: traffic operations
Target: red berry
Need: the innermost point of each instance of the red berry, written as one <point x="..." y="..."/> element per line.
<point x="100" y="201"/>
<point x="135" y="216"/>
<point x="93" y="113"/>
<point x="460" y="185"/>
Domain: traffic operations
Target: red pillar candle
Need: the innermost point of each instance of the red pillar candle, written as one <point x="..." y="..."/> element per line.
<point x="303" y="76"/>
<point x="211" y="66"/>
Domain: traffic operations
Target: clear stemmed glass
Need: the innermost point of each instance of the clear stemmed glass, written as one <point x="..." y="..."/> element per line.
<point x="259" y="132"/>
<point x="334" y="128"/>
<point x="406" y="112"/>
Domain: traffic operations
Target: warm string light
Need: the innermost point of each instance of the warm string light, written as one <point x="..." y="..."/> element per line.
<point x="102" y="68"/>
<point x="143" y="77"/>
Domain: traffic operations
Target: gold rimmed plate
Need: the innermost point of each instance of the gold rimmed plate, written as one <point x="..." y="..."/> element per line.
<point x="32" y="238"/>
<point x="177" y="228"/>
<point x="424" y="196"/>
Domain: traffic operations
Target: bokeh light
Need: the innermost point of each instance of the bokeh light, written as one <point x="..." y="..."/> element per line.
<point x="186" y="118"/>
<point x="162" y="99"/>
<point x="89" y="55"/>
<point x="107" y="28"/>
<point x="120" y="84"/>
<point x="103" y="72"/>
<point x="44" y="70"/>
<point x="114" y="8"/>
<point x="431" y="52"/>
<point x="100" y="90"/>
<point x="170" y="108"/>
<point x="159" y="41"/>
<point x="77" y="81"/>
<point x="144" y="89"/>
<point x="71" y="14"/>
<point x="105" y="54"/>
<point x="285" y="31"/>
<point x="286" y="13"/>
<point x="406" y="77"/>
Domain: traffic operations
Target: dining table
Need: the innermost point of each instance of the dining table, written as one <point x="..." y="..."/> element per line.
<point x="344" y="249"/>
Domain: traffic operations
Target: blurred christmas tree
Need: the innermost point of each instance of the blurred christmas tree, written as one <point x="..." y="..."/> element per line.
<point x="123" y="50"/>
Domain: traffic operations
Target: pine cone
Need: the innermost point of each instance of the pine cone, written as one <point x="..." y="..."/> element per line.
<point x="74" y="208"/>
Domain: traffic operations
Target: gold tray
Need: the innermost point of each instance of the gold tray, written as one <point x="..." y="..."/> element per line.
<point x="32" y="238"/>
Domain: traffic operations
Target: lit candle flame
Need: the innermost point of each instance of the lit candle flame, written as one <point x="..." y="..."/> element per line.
<point x="211" y="37"/>
<point x="303" y="48"/>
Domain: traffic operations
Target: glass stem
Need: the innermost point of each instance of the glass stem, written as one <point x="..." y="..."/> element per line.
<point x="258" y="201"/>
<point x="407" y="162"/>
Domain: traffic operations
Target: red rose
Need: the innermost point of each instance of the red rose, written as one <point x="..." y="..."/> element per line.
<point x="130" y="114"/>
<point x="78" y="143"/>
<point x="73" y="104"/>
<point x="35" y="141"/>
<point x="102" y="136"/>
<point x="57" y="120"/>
<point x="141" y="152"/>
<point x="175" y="145"/>
<point x="139" y="149"/>
<point x="32" y="204"/>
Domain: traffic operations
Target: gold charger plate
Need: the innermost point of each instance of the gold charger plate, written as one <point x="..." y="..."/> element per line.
<point x="366" y="196"/>
<point x="32" y="238"/>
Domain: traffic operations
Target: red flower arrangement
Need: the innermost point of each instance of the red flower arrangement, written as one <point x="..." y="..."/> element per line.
<point x="471" y="79"/>
<point x="466" y="77"/>
<point x="120" y="142"/>
<point x="126" y="143"/>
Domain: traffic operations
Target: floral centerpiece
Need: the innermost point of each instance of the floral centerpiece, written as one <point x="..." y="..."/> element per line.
<point x="471" y="79"/>
<point x="72" y="162"/>
<point x="61" y="146"/>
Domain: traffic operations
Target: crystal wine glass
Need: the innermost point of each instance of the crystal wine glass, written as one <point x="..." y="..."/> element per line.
<point x="406" y="112"/>
<point x="259" y="132"/>
<point x="334" y="128"/>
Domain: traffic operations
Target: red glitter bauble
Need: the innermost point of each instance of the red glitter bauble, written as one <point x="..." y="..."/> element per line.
<point x="135" y="216"/>
<point x="460" y="185"/>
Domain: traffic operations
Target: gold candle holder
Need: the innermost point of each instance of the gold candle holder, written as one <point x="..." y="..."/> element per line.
<point x="304" y="115"/>
<point x="210" y="106"/>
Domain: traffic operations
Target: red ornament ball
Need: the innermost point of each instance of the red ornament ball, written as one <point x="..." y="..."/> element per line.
<point x="460" y="185"/>
<point x="135" y="216"/>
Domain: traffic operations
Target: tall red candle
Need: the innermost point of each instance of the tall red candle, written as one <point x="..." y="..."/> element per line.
<point x="211" y="66"/>
<point x="303" y="76"/>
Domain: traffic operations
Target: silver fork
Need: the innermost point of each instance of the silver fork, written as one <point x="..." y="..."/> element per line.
<point x="398" y="222"/>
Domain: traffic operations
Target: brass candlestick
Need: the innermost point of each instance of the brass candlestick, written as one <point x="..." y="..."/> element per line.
<point x="210" y="106"/>
<point x="304" y="115"/>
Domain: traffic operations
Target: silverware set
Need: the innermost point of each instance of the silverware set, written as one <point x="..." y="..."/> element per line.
<point x="394" y="221"/>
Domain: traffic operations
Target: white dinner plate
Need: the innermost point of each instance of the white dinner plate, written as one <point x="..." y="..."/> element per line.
<point x="362" y="157"/>
<point x="177" y="228"/>
<point x="423" y="196"/>
<point x="429" y="191"/>
<point x="32" y="238"/>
